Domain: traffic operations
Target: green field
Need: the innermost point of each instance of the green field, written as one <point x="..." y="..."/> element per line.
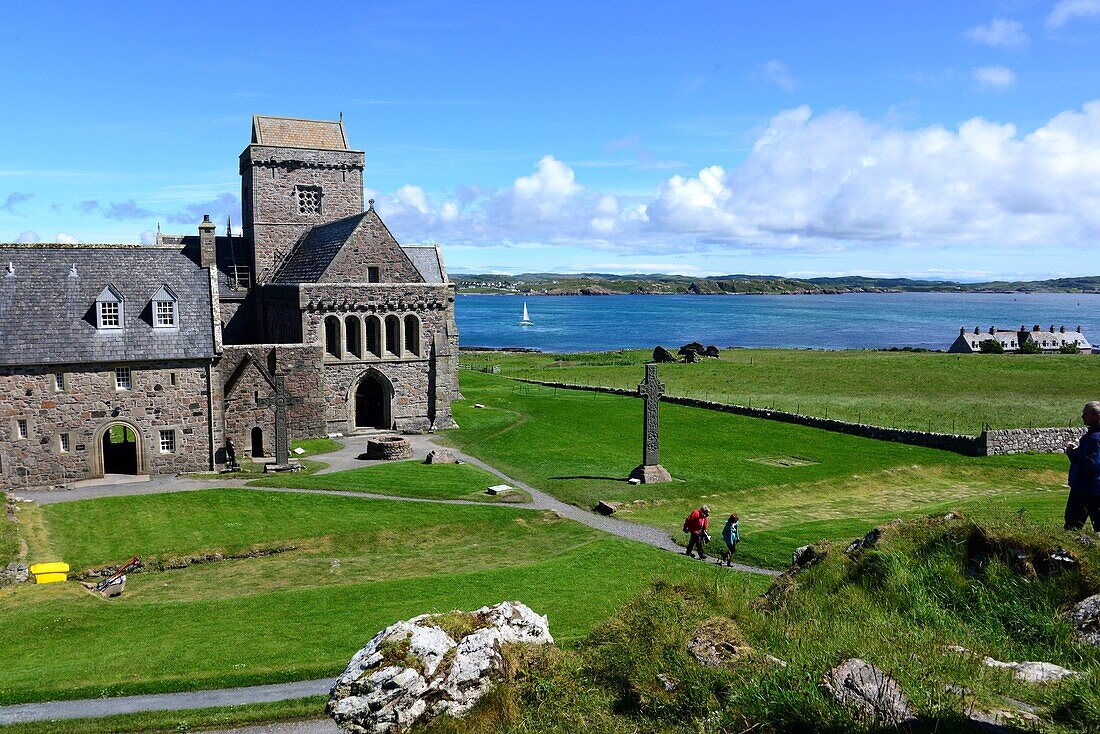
<point x="580" y="447"/>
<point x="294" y="615"/>
<point x="405" y="479"/>
<point x="925" y="391"/>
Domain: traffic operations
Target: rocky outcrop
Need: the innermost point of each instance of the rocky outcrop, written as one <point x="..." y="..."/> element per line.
<point x="1085" y="618"/>
<point x="692" y="348"/>
<point x="662" y="355"/>
<point x="1033" y="672"/>
<point x="807" y="555"/>
<point x="717" y="643"/>
<point x="711" y="351"/>
<point x="873" y="694"/>
<point x="426" y="666"/>
<point x="868" y="541"/>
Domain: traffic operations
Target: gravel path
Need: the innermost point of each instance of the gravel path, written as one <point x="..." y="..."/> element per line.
<point x="346" y="458"/>
<point x="97" y="707"/>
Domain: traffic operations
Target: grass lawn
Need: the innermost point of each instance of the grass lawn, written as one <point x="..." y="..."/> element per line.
<point x="405" y="479"/>
<point x="580" y="447"/>
<point x="295" y="615"/>
<point x="942" y="392"/>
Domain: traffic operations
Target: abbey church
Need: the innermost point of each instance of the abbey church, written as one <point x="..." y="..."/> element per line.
<point x="146" y="359"/>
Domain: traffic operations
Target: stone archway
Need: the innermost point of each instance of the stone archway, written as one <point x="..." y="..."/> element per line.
<point x="118" y="448"/>
<point x="372" y="402"/>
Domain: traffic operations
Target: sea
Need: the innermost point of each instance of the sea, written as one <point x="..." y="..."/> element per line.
<point x="843" y="321"/>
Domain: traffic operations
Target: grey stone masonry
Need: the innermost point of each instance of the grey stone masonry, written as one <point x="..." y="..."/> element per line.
<point x="64" y="427"/>
<point x="1025" y="440"/>
<point x="270" y="179"/>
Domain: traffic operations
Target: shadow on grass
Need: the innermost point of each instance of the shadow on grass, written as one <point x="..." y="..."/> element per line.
<point x="586" y="476"/>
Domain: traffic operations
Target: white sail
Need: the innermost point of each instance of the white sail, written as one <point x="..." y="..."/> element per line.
<point x="526" y="318"/>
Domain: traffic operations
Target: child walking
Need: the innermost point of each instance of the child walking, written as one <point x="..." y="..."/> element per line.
<point x="730" y="535"/>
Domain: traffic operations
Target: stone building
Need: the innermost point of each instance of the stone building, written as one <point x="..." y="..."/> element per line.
<point x="969" y="342"/>
<point x="145" y="359"/>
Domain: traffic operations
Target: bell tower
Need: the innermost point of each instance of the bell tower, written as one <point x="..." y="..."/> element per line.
<point x="295" y="174"/>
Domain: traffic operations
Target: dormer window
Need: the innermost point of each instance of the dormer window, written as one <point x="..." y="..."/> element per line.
<point x="309" y="200"/>
<point x="109" y="309"/>
<point x="165" y="315"/>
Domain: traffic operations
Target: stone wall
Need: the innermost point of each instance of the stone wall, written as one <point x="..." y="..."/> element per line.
<point x="87" y="406"/>
<point x="988" y="443"/>
<point x="247" y="375"/>
<point x="1024" y="440"/>
<point x="268" y="177"/>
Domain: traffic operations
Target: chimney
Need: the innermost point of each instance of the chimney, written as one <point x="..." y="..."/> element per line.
<point x="1023" y="328"/>
<point x="962" y="330"/>
<point x="1063" y="329"/>
<point x="1036" y="328"/>
<point x="1052" y="328"/>
<point x="1079" y="331"/>
<point x="977" y="330"/>
<point x="992" y="330"/>
<point x="207" y="251"/>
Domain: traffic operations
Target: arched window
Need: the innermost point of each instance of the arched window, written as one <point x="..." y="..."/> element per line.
<point x="332" y="336"/>
<point x="393" y="335"/>
<point x="374" y="336"/>
<point x="412" y="335"/>
<point x="352" y="340"/>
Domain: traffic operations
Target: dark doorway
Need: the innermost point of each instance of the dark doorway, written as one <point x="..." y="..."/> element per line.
<point x="257" y="442"/>
<point x="372" y="403"/>
<point x="120" y="450"/>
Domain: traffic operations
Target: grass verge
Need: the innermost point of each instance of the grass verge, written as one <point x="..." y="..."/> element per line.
<point x="405" y="479"/>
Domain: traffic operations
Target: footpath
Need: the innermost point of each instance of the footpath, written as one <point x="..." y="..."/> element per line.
<point x="345" y="458"/>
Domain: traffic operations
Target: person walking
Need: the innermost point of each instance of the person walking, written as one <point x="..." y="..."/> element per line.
<point x="1084" y="473"/>
<point x="730" y="535"/>
<point x="696" y="526"/>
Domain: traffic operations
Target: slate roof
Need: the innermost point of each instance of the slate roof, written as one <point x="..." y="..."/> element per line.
<point x="48" y="316"/>
<point x="316" y="250"/>
<point x="293" y="132"/>
<point x="426" y="260"/>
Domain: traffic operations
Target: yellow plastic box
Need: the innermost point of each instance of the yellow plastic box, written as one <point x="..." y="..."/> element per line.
<point x="50" y="578"/>
<point x="56" y="567"/>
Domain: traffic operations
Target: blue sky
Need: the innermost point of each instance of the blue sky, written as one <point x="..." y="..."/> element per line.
<point x="931" y="139"/>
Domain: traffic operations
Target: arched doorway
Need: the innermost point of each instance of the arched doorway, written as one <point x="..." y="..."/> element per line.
<point x="372" y="402"/>
<point x="257" y="442"/>
<point x="120" y="450"/>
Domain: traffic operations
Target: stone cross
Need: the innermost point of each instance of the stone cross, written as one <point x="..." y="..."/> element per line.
<point x="281" y="400"/>
<point x="650" y="471"/>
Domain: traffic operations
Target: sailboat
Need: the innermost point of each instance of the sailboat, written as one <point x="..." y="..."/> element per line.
<point x="526" y="318"/>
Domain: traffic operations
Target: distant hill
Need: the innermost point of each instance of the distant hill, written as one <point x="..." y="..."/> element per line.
<point x="600" y="284"/>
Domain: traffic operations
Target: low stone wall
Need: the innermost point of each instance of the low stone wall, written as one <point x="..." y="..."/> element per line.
<point x="1023" y="440"/>
<point x="989" y="443"/>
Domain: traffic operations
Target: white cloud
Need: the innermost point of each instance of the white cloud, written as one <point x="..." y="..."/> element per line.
<point x="148" y="237"/>
<point x="811" y="183"/>
<point x="64" y="238"/>
<point x="28" y="236"/>
<point x="1066" y="10"/>
<point x="543" y="194"/>
<point x="1000" y="32"/>
<point x="777" y="73"/>
<point x="998" y="78"/>
<point x="413" y="197"/>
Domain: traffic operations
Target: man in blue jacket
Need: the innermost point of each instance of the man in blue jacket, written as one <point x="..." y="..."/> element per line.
<point x="1084" y="473"/>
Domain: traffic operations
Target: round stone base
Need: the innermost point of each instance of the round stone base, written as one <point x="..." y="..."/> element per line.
<point x="389" y="448"/>
<point x="651" y="474"/>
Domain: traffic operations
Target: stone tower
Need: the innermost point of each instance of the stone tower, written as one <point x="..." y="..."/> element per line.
<point x="295" y="174"/>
